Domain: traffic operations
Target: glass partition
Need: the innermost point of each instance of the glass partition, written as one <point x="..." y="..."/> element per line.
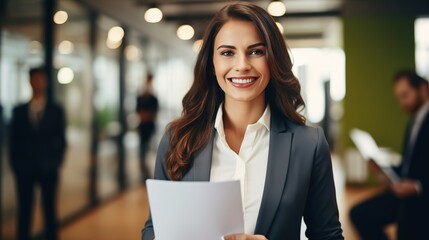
<point x="72" y="88"/>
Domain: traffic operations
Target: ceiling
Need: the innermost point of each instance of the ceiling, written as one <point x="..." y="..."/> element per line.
<point x="198" y="13"/>
<point x="307" y="23"/>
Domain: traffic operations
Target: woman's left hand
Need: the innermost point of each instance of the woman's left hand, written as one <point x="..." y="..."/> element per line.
<point x="241" y="236"/>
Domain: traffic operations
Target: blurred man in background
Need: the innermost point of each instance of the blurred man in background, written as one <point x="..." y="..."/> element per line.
<point x="147" y="108"/>
<point x="37" y="146"/>
<point x="407" y="201"/>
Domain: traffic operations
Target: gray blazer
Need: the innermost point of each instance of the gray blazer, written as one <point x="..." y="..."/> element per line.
<point x="299" y="183"/>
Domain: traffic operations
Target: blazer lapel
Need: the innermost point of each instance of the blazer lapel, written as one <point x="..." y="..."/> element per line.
<point x="420" y="135"/>
<point x="275" y="181"/>
<point x="200" y="170"/>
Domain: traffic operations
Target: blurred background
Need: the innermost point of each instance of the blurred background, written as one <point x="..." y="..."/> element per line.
<point x="345" y="53"/>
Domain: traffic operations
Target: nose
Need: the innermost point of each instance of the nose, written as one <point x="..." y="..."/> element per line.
<point x="242" y="63"/>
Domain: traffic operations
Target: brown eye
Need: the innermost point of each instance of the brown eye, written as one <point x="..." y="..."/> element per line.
<point x="257" y="52"/>
<point x="227" y="53"/>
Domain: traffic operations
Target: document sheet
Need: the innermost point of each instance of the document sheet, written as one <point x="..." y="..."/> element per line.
<point x="195" y="210"/>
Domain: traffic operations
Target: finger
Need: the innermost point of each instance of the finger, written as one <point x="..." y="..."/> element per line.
<point x="238" y="236"/>
<point x="260" y="237"/>
<point x="229" y="237"/>
<point x="244" y="237"/>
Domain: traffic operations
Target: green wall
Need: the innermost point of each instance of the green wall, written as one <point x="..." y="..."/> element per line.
<point x="376" y="47"/>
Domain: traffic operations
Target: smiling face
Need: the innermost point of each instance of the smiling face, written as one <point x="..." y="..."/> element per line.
<point x="240" y="62"/>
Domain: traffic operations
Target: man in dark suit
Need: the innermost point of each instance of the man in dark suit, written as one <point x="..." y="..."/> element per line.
<point x="407" y="201"/>
<point x="37" y="146"/>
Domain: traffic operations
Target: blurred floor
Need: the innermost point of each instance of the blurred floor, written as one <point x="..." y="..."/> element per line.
<point x="121" y="218"/>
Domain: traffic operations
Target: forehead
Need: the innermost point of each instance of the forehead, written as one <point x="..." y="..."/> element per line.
<point x="403" y="84"/>
<point x="235" y="32"/>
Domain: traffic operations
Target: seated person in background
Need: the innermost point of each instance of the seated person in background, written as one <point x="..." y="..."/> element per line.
<point x="407" y="201"/>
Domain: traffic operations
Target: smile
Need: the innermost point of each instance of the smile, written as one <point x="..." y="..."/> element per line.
<point x="242" y="80"/>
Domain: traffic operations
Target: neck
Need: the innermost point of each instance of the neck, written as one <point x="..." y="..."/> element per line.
<point x="237" y="115"/>
<point x="38" y="97"/>
<point x="425" y="101"/>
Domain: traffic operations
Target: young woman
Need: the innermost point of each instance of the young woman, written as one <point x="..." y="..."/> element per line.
<point x="240" y="122"/>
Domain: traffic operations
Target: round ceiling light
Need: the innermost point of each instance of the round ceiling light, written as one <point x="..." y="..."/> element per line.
<point x="185" y="32"/>
<point x="153" y="15"/>
<point x="277" y="8"/>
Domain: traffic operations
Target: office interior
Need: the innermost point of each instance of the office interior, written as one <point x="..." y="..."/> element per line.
<point x="345" y="54"/>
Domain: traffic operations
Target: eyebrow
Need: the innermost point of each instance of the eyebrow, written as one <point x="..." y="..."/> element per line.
<point x="250" y="46"/>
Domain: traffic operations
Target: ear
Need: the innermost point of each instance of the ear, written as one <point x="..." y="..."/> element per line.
<point x="424" y="91"/>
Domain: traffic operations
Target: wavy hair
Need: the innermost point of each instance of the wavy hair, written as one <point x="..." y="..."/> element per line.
<point x="192" y="131"/>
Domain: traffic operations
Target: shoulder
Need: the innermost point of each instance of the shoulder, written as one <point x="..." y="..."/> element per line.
<point x="165" y="140"/>
<point x="306" y="132"/>
<point x="308" y="138"/>
<point x="23" y="107"/>
<point x="55" y="107"/>
<point x="302" y="134"/>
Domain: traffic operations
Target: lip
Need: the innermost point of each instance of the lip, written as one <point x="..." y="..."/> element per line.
<point x="242" y="81"/>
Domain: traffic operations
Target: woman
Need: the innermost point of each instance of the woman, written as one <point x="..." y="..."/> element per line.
<point x="240" y="121"/>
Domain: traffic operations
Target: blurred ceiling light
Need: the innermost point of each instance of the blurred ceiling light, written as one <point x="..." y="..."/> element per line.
<point x="116" y="34"/>
<point x="185" y="32"/>
<point x="277" y="8"/>
<point x="280" y="26"/>
<point x="65" y="75"/>
<point x="35" y="47"/>
<point x="113" y="44"/>
<point x="60" y="17"/>
<point x="153" y="15"/>
<point x="197" y="45"/>
<point x="133" y="53"/>
<point x="65" y="47"/>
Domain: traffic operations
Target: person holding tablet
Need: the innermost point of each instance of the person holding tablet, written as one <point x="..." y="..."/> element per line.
<point x="407" y="200"/>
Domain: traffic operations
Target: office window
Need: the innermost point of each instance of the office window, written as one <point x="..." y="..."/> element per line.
<point x="422" y="46"/>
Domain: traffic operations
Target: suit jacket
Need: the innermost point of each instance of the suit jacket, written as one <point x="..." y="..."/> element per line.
<point x="299" y="183"/>
<point x="37" y="149"/>
<point x="415" y="210"/>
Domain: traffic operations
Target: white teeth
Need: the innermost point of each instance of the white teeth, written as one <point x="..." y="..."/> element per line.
<point x="242" y="80"/>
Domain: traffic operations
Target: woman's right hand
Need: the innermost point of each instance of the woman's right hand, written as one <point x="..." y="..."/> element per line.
<point x="241" y="236"/>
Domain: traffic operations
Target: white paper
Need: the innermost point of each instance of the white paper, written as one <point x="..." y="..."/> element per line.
<point x="195" y="210"/>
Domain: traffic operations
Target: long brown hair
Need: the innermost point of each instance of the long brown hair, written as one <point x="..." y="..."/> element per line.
<point x="192" y="131"/>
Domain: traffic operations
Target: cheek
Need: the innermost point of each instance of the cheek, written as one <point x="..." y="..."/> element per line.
<point x="266" y="74"/>
<point x="221" y="70"/>
<point x="409" y="100"/>
<point x="217" y="65"/>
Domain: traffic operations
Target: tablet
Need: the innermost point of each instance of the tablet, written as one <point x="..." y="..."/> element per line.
<point x="370" y="151"/>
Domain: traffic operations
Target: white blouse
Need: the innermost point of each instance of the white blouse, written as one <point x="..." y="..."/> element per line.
<point x="251" y="161"/>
